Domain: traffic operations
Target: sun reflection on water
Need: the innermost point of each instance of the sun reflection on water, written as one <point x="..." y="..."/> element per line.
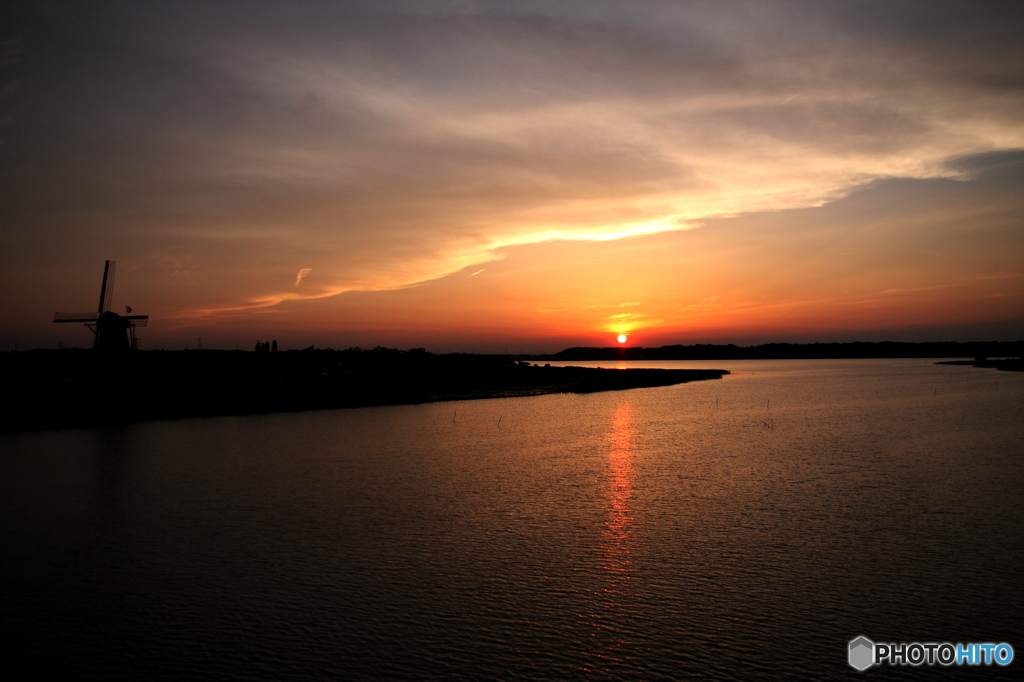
<point x="615" y="537"/>
<point x="615" y="561"/>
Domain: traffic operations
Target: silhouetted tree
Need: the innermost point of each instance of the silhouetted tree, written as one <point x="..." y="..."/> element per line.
<point x="273" y="346"/>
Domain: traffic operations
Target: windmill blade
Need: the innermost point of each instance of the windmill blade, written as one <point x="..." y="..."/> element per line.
<point x="75" y="317"/>
<point x="107" y="287"/>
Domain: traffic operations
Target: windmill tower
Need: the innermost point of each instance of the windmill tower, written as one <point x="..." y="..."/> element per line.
<point x="112" y="332"/>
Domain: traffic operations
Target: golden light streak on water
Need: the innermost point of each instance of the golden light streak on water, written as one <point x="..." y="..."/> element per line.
<point x="614" y="594"/>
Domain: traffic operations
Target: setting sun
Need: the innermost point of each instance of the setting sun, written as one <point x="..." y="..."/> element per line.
<point x="622" y="338"/>
<point x="447" y="195"/>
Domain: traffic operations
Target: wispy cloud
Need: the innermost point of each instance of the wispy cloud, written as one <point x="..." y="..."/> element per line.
<point x="607" y="159"/>
<point x="386" y="149"/>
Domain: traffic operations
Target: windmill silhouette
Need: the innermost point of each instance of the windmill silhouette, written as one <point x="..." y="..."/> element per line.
<point x="112" y="332"/>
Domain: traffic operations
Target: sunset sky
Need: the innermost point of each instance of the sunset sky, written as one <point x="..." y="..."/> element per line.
<point x="514" y="175"/>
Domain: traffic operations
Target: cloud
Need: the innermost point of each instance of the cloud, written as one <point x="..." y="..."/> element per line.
<point x="390" y="147"/>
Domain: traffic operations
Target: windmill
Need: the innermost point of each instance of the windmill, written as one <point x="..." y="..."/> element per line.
<point x="112" y="332"/>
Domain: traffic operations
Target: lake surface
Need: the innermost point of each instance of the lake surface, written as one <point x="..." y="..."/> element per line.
<point x="734" y="529"/>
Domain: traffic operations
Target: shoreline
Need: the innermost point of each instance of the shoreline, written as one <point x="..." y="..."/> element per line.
<point x="81" y="389"/>
<point x="1005" y="365"/>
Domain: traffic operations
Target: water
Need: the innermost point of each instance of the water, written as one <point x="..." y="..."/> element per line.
<point x="734" y="529"/>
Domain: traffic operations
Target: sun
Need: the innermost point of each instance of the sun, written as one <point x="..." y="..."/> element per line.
<point x="622" y="338"/>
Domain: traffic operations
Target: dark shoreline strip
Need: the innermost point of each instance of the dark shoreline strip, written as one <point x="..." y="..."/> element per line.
<point x="123" y="394"/>
<point x="1007" y="365"/>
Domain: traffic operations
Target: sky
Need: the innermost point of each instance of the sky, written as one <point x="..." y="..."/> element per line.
<point x="513" y="176"/>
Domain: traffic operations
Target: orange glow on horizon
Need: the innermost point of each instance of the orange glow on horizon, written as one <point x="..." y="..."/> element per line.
<point x="419" y="191"/>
